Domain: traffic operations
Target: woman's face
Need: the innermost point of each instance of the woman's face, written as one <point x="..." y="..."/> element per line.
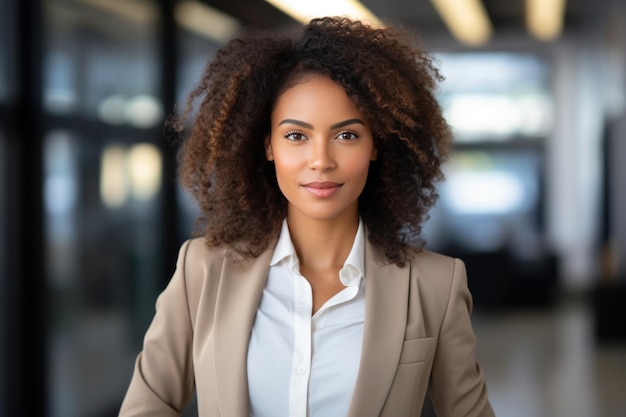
<point x="321" y="146"/>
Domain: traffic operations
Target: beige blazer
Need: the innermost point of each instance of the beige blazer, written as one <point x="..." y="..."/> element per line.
<point x="417" y="339"/>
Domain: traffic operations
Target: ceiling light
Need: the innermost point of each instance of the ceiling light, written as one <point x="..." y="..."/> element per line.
<point x="303" y="11"/>
<point x="139" y="11"/>
<point x="467" y="20"/>
<point x="206" y="21"/>
<point x="544" y="18"/>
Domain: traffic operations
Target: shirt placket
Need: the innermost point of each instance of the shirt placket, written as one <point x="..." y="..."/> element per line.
<point x="301" y="364"/>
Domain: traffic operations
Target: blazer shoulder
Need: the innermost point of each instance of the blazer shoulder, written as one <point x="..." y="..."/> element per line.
<point x="203" y="265"/>
<point x="200" y="264"/>
<point x="435" y="264"/>
<point x="197" y="251"/>
<point x="436" y="274"/>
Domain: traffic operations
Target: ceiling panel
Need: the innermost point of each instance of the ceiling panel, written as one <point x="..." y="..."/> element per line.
<point x="507" y="16"/>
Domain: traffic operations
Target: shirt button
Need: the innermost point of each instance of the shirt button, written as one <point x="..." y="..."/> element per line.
<point x="301" y="370"/>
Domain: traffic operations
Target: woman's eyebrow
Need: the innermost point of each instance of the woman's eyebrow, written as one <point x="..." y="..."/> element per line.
<point x="296" y="122"/>
<point x="346" y="123"/>
<point x="310" y="126"/>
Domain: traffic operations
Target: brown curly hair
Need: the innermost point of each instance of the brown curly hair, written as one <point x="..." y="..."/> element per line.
<point x="391" y="79"/>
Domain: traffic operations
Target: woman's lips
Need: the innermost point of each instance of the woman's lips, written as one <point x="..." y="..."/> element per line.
<point x="322" y="189"/>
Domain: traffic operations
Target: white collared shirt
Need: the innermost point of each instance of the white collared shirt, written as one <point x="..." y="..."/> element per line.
<point x="301" y="365"/>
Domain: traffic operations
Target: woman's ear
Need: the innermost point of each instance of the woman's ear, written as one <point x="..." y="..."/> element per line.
<point x="269" y="155"/>
<point x="374" y="155"/>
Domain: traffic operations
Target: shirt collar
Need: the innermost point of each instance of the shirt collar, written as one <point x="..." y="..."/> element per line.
<point x="353" y="267"/>
<point x="284" y="248"/>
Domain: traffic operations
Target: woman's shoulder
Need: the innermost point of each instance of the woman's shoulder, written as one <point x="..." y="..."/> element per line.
<point x="198" y="256"/>
<point x="441" y="280"/>
<point x="199" y="271"/>
<point x="437" y="271"/>
<point x="196" y="250"/>
<point x="435" y="262"/>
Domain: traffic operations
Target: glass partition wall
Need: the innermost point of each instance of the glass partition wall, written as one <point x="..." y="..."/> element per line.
<point x="113" y="216"/>
<point x="102" y="195"/>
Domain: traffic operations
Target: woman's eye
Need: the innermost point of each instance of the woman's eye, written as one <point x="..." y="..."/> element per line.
<point x="347" y="135"/>
<point x="295" y="136"/>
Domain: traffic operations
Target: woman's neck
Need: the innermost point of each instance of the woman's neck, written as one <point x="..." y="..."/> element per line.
<point x="322" y="245"/>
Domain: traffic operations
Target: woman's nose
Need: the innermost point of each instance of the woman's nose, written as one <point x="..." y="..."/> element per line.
<point x="321" y="157"/>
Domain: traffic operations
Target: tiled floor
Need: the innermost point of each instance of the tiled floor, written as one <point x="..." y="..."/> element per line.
<point x="546" y="362"/>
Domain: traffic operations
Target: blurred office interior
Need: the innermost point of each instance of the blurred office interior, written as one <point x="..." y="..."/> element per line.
<point x="91" y="217"/>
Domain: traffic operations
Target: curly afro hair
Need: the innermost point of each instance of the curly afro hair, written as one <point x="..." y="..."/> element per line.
<point x="392" y="81"/>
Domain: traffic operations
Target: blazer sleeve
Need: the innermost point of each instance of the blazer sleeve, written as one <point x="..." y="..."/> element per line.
<point x="457" y="386"/>
<point x="163" y="379"/>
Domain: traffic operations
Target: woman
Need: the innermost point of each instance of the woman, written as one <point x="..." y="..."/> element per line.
<point x="313" y="157"/>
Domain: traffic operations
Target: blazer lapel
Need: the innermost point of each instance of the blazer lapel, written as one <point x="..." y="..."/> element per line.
<point x="386" y="298"/>
<point x="239" y="293"/>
